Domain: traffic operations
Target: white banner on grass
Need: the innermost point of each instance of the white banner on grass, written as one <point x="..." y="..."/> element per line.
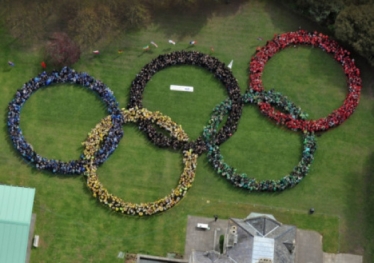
<point x="181" y="88"/>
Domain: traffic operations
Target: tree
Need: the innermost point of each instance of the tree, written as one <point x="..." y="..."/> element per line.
<point x="61" y="50"/>
<point x="86" y="27"/>
<point x="131" y="13"/>
<point x="352" y="21"/>
<point x="355" y="25"/>
<point x="23" y="21"/>
<point x="137" y="14"/>
<point x="323" y="12"/>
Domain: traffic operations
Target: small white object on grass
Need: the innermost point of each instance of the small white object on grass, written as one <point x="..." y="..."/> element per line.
<point x="181" y="88"/>
<point x="153" y="43"/>
<point x="230" y="65"/>
<point x="121" y="255"/>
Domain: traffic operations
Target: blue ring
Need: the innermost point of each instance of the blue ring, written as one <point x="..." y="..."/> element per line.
<point x="67" y="76"/>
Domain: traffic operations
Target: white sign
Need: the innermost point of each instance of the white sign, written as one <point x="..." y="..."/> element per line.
<point x="181" y="88"/>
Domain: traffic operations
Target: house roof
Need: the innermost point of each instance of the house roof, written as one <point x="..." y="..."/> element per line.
<point x="262" y="248"/>
<point x="263" y="225"/>
<point x="141" y="258"/>
<point x="15" y="215"/>
<point x="262" y="237"/>
<point x="210" y="257"/>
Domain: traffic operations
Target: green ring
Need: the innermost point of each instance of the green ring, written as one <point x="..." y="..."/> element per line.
<point x="242" y="180"/>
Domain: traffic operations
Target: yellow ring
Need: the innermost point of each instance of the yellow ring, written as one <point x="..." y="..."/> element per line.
<point x="92" y="145"/>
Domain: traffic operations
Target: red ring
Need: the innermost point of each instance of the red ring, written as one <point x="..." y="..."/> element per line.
<point x="279" y="42"/>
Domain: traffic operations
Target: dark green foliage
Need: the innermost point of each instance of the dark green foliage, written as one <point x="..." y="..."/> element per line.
<point x="25" y="20"/>
<point x="221" y="243"/>
<point x="323" y="12"/>
<point x="88" y="22"/>
<point x="351" y="20"/>
<point x="184" y="4"/>
<point x="355" y="25"/>
<point x="85" y="21"/>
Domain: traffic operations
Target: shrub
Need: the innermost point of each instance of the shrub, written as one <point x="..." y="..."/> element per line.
<point x="355" y="25"/>
<point x="61" y="50"/>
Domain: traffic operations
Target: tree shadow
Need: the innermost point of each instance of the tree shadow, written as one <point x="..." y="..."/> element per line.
<point x="286" y="19"/>
<point x="144" y="52"/>
<point x="369" y="205"/>
<point x="358" y="226"/>
<point x="6" y="69"/>
<point x="193" y="19"/>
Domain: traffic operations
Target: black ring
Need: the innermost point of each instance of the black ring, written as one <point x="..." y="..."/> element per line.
<point x="220" y="71"/>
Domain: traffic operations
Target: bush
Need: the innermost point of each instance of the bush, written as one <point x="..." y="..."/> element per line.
<point x="355" y="26"/>
<point x="221" y="243"/>
<point x="323" y="12"/>
<point x="61" y="50"/>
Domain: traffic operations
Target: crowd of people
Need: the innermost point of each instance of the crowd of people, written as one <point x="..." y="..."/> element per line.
<point x="96" y="137"/>
<point x="211" y="132"/>
<point x="220" y="71"/>
<point x="242" y="180"/>
<point x="156" y="117"/>
<point x="105" y="137"/>
<point x="276" y="99"/>
<point x="67" y="76"/>
<point x="314" y="39"/>
<point x="176" y="141"/>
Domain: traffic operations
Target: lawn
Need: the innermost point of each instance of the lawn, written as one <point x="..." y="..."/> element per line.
<point x="74" y="227"/>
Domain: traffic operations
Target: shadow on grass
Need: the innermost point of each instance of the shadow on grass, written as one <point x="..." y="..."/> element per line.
<point x="144" y="52"/>
<point x="193" y="19"/>
<point x="366" y="74"/>
<point x="369" y="208"/>
<point x="358" y="228"/>
<point x="289" y="20"/>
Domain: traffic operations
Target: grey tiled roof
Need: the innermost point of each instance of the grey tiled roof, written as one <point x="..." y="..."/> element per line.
<point x="262" y="225"/>
<point x="210" y="257"/>
<point x="239" y="241"/>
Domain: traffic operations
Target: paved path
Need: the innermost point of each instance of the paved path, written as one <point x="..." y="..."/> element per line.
<point x="308" y="247"/>
<point x="203" y="240"/>
<point x="341" y="258"/>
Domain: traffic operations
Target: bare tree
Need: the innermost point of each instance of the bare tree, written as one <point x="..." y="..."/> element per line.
<point x="61" y="50"/>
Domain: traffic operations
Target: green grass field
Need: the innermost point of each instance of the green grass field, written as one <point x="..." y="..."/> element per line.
<point x="74" y="227"/>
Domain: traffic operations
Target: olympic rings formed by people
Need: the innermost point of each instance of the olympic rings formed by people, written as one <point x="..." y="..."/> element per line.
<point x="278" y="100"/>
<point x="105" y="137"/>
<point x="341" y="55"/>
<point x="117" y="204"/>
<point x="242" y="180"/>
<point x="68" y="76"/>
<point x="220" y="71"/>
